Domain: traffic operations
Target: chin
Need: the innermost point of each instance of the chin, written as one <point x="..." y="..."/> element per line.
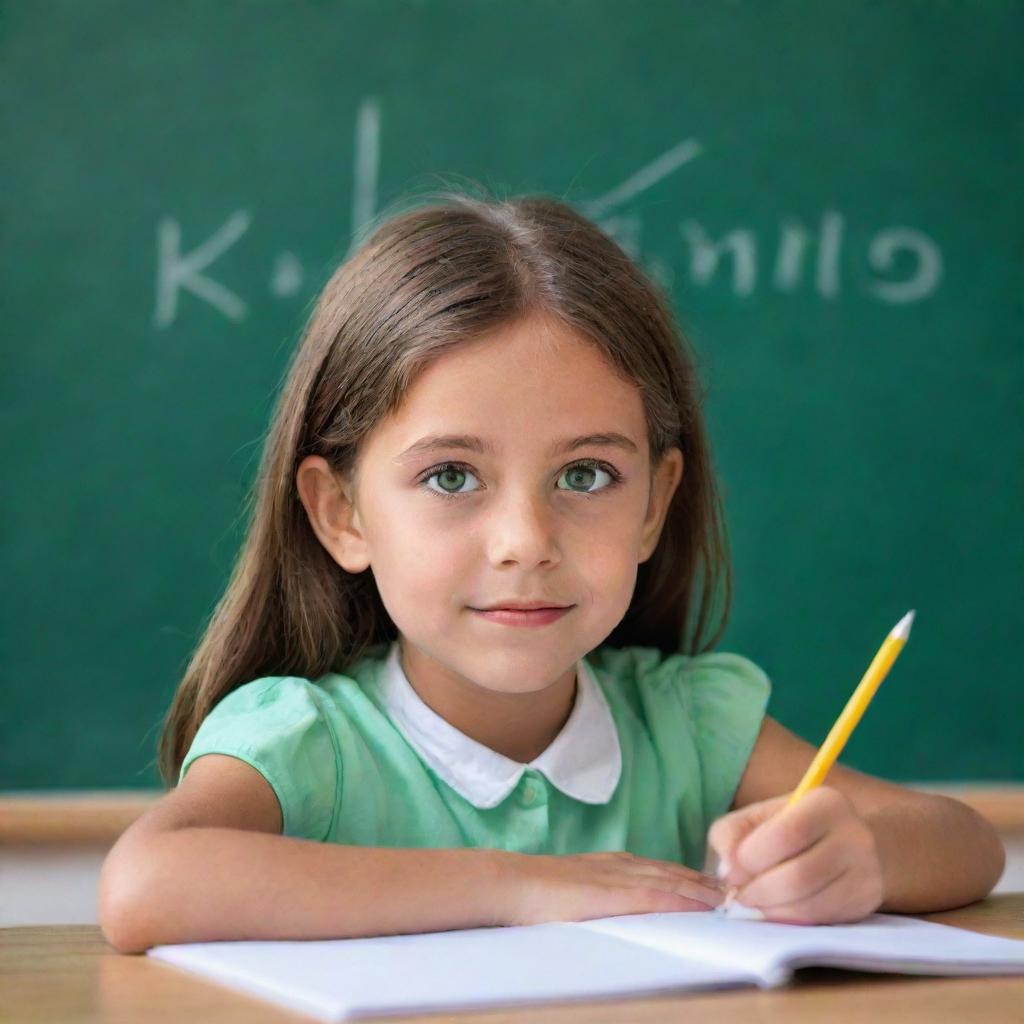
<point x="520" y="668"/>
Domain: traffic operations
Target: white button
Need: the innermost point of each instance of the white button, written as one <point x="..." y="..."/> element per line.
<point x="528" y="794"/>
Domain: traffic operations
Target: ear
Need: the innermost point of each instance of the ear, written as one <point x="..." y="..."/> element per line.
<point x="328" y="501"/>
<point x="666" y="480"/>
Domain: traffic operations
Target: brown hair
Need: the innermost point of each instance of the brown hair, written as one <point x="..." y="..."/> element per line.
<point x="426" y="280"/>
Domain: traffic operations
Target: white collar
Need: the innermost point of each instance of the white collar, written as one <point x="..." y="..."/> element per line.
<point x="584" y="760"/>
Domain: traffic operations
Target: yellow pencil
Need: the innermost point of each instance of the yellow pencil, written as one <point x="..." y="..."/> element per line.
<point x="848" y="719"/>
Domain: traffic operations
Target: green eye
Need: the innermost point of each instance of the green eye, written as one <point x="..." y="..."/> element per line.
<point x="451" y="476"/>
<point x="581" y="475"/>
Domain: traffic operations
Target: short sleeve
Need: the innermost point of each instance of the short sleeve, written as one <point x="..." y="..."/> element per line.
<point x="727" y="696"/>
<point x="278" y="725"/>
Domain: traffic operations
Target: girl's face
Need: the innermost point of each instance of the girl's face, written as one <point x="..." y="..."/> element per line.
<point x="518" y="510"/>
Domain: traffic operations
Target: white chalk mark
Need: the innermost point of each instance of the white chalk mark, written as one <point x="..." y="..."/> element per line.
<point x="661" y="273"/>
<point x="828" y="254"/>
<point x="794" y="240"/>
<point x="286" y="276"/>
<point x="882" y="254"/>
<point x="176" y="272"/>
<point x="645" y="177"/>
<point x="367" y="168"/>
<point x="789" y="261"/>
<point x="704" y="256"/>
<point x="625" y="229"/>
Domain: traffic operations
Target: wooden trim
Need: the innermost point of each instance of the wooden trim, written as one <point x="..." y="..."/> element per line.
<point x="66" y="819"/>
<point x="98" y="818"/>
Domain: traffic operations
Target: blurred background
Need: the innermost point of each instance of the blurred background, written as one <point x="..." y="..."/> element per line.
<point x="828" y="191"/>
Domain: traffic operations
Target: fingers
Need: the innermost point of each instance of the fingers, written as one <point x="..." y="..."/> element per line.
<point x="797" y="879"/>
<point x="848" y="897"/>
<point x="673" y="873"/>
<point x="789" y="832"/>
<point x="640" y="900"/>
<point x="727" y="834"/>
<point x="632" y="871"/>
<point x="579" y="887"/>
<point x="648" y="866"/>
<point x="655" y="901"/>
<point x="815" y="907"/>
<point x="814" y="862"/>
<point x="706" y="895"/>
<point x="767" y="833"/>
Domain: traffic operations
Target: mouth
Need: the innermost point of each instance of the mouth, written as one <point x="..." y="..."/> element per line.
<point x="538" y="615"/>
<point x="530" y="607"/>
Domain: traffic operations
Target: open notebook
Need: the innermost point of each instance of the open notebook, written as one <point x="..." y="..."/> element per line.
<point x="632" y="955"/>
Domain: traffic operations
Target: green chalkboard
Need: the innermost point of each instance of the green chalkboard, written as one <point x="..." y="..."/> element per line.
<point x="829" y="190"/>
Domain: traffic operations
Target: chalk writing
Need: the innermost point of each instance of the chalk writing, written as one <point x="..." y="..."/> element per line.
<point x="905" y="263"/>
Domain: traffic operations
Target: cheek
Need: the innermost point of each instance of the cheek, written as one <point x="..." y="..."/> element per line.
<point x="609" y="556"/>
<point x="608" y="566"/>
<point x="416" y="569"/>
<point x="411" y="588"/>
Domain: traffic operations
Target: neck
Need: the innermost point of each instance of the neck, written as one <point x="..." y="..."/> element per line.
<point x="521" y="726"/>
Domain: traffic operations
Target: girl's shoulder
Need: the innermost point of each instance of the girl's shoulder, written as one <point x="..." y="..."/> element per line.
<point x="711" y="693"/>
<point x="699" y="715"/>
<point x="261" y="711"/>
<point x="275" y="700"/>
<point x="278" y="699"/>
<point x="650" y="670"/>
<point x="277" y="725"/>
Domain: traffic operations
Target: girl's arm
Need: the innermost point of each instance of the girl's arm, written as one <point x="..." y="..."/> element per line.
<point x="208" y="863"/>
<point x="934" y="852"/>
<point x="213" y="884"/>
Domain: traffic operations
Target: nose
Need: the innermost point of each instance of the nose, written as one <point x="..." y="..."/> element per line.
<point x="523" y="530"/>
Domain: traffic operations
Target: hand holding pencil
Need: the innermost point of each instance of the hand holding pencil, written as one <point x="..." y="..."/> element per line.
<point x="808" y="857"/>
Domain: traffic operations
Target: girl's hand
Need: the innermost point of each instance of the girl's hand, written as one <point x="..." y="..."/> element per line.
<point x="577" y="887"/>
<point x="813" y="863"/>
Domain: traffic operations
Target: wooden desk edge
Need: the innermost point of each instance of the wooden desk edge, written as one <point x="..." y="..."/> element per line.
<point x="98" y="818"/>
<point x="85" y="979"/>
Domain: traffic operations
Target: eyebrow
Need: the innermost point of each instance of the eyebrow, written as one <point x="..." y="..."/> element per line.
<point x="469" y="442"/>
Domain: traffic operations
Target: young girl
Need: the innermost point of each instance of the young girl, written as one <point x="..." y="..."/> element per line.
<point x="462" y="674"/>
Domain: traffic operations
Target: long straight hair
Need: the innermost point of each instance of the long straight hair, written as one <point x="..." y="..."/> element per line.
<point x="425" y="281"/>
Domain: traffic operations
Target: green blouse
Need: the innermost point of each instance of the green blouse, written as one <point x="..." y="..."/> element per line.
<point x="650" y="756"/>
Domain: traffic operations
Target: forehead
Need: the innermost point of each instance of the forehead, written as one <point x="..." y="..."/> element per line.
<point x="522" y="385"/>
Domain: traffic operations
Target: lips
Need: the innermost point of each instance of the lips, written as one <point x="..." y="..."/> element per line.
<point x="539" y="616"/>
<point x="522" y="606"/>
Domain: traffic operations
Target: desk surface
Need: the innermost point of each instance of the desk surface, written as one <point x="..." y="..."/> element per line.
<point x="67" y="973"/>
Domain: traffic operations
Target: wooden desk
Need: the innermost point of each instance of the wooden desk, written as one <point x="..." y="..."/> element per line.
<point x="58" y="974"/>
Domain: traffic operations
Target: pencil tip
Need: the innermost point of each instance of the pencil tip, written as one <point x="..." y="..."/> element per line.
<point x="902" y="628"/>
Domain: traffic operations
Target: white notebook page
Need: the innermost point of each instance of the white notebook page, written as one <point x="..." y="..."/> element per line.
<point x="471" y="968"/>
<point x="881" y="942"/>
